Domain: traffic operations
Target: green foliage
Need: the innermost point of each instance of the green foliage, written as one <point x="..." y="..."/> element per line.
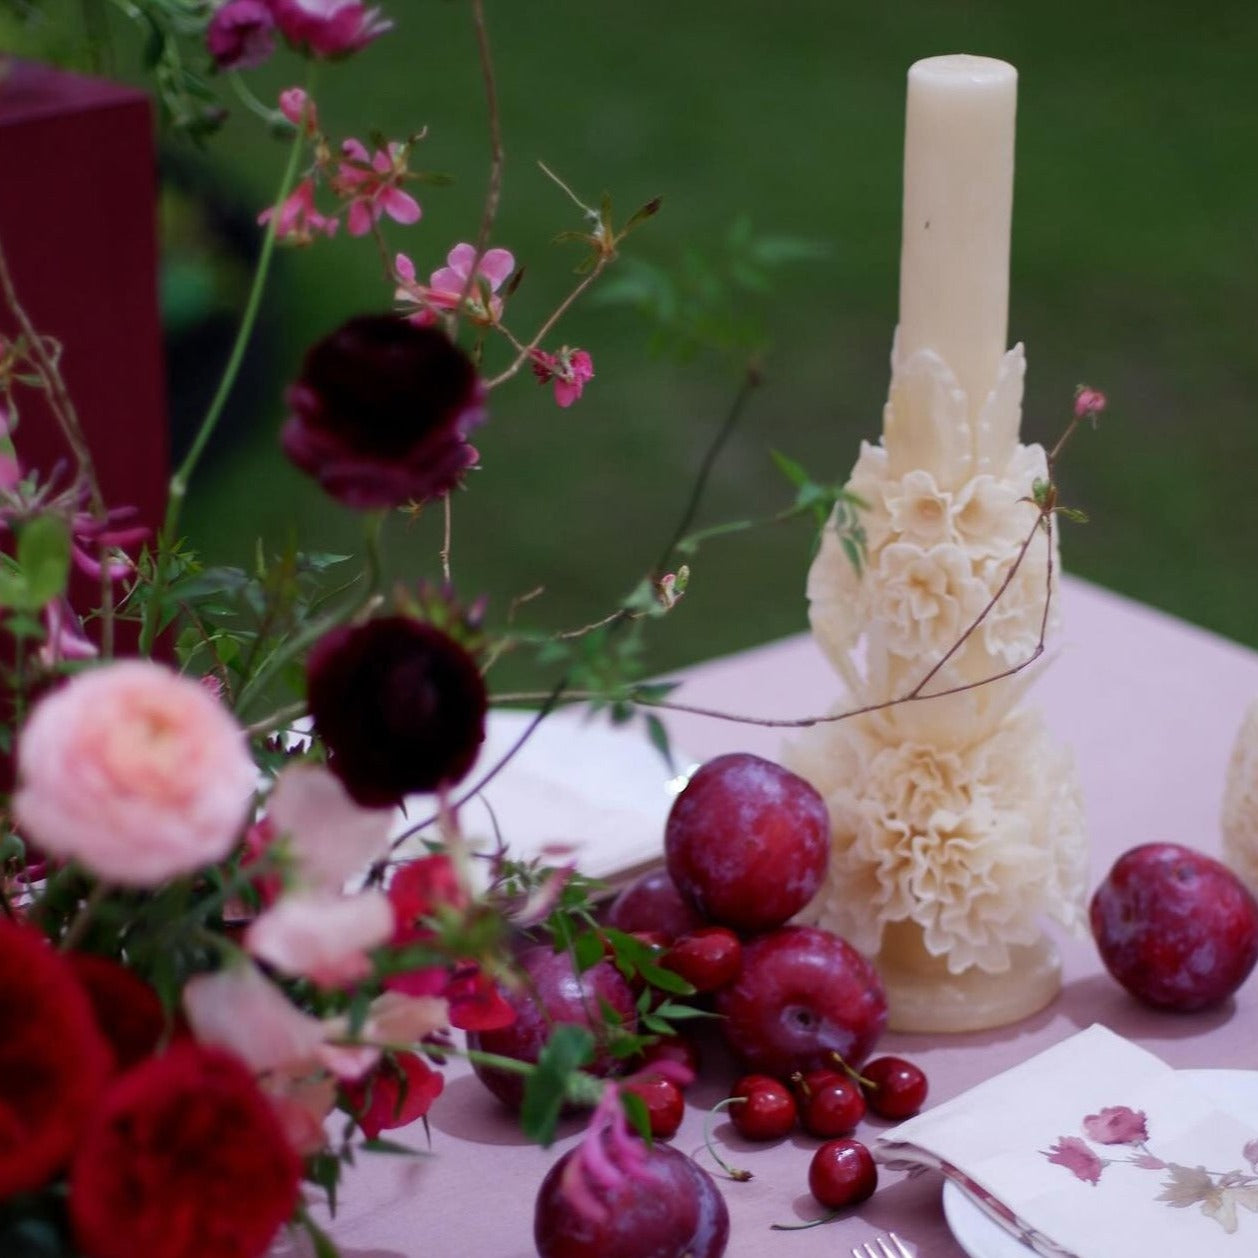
<point x="551" y="1082"/>
<point x="42" y="567"/>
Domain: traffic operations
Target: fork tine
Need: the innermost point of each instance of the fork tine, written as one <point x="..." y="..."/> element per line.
<point x="900" y="1250"/>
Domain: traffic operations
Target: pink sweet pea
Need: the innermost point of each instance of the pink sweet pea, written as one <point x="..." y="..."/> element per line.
<point x="329" y="28"/>
<point x="330" y="838"/>
<point x="241" y="34"/>
<point x="570" y="369"/>
<point x="299" y="109"/>
<point x="298" y="222"/>
<point x="321" y="936"/>
<point x="447" y="284"/>
<point x="371" y="183"/>
<point x="65" y="638"/>
<point x="1089" y="403"/>
<point x="134" y="771"/>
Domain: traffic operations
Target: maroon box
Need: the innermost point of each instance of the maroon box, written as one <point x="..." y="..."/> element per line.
<point x="78" y="222"/>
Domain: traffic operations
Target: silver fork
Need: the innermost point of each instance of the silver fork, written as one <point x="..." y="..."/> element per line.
<point x="889" y="1246"/>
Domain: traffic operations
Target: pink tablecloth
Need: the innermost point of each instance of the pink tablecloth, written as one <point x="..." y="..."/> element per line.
<point x="1151" y="707"/>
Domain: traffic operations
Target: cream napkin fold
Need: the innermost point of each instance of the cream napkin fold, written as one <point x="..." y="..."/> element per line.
<point x="1095" y="1148"/>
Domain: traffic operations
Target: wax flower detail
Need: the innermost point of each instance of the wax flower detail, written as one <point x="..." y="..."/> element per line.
<point x="454" y="283"/>
<point x="1219" y="1194"/>
<point x="570" y="370"/>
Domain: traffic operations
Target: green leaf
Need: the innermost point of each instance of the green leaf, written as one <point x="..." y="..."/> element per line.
<point x="566" y="1051"/>
<point x="43" y="554"/>
<point x="587" y="951"/>
<point x="658" y="734"/>
<point x="636" y="1112"/>
<point x="794" y="472"/>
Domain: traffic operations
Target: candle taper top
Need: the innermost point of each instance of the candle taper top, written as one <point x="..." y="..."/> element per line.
<point x="958" y="208"/>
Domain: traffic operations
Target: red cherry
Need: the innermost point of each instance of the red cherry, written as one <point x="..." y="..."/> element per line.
<point x="842" y="1173"/>
<point x="707" y="959"/>
<point x="766" y="1111"/>
<point x="833" y="1109"/>
<point x="674" y="1048"/>
<point x="893" y="1087"/>
<point x="665" y="1105"/>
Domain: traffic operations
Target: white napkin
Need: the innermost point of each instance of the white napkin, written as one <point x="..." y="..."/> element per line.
<point x="1096" y="1149"/>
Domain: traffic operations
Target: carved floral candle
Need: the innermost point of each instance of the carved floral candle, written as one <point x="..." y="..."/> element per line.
<point x="957" y="823"/>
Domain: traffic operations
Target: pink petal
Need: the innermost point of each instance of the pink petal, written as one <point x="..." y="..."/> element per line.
<point x="404" y="267"/>
<point x="496" y="266"/>
<point x="460" y="259"/>
<point x="354" y="149"/>
<point x="360" y="218"/>
<point x="401" y="207"/>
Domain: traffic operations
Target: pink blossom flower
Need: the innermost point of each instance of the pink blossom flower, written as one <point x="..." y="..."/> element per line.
<point x="1089" y="403"/>
<point x="1077" y="1158"/>
<point x="91" y="536"/>
<point x="241" y="1010"/>
<point x="321" y="936"/>
<point x="330" y="837"/>
<point x="372" y="186"/>
<point x="447" y="284"/>
<point x="397" y="1019"/>
<point x="65" y="639"/>
<point x="607" y="1155"/>
<point x="570" y="369"/>
<point x="134" y="771"/>
<point x="298" y="222"/>
<point x="1116" y="1124"/>
<point x="241" y="34"/>
<point x="329" y="28"/>
<point x="299" y="109"/>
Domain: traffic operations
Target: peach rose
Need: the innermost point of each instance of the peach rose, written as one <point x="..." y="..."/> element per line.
<point x="138" y="773"/>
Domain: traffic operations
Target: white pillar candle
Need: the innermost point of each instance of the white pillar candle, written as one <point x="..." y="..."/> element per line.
<point x="958" y="206"/>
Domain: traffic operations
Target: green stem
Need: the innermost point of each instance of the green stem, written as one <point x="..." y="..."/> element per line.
<point x="178" y="488"/>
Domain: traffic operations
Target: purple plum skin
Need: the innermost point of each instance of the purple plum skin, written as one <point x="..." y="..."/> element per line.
<point x="1175" y="927"/>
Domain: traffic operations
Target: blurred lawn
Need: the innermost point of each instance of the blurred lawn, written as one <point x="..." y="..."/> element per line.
<point x="1135" y="268"/>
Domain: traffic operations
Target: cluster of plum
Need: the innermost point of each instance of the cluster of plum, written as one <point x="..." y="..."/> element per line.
<point x="746" y="846"/>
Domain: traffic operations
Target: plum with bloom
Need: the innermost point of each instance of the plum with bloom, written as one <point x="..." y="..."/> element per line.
<point x="400" y="706"/>
<point x="53" y="1060"/>
<point x="184" y="1158"/>
<point x="134" y="771"/>
<point x="381" y="413"/>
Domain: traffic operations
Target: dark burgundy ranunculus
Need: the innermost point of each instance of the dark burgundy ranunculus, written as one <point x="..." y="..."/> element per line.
<point x="399" y="705"/>
<point x="183" y="1158"/>
<point x="381" y="412"/>
<point x="53" y="1060"/>
<point x="241" y="34"/>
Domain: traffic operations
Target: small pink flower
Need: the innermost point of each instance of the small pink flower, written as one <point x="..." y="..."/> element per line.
<point x="299" y="109"/>
<point x="371" y="183"/>
<point x="1077" y="1158"/>
<point x="1116" y="1124"/>
<point x="329" y="28"/>
<point x="447" y="284"/>
<point x="321" y="936"/>
<point x="607" y="1155"/>
<point x="330" y="838"/>
<point x="241" y="34"/>
<point x="135" y="772"/>
<point x="570" y="369"/>
<point x="298" y="222"/>
<point x="1089" y="403"/>
<point x="65" y="638"/>
<point x="91" y="536"/>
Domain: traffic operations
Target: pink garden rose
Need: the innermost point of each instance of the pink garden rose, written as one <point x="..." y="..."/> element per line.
<point x="137" y="773"/>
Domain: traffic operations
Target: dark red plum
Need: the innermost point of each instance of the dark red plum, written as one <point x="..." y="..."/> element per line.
<point x="804" y="994"/>
<point x="550" y="993"/>
<point x="652" y="903"/>
<point x="675" y="1211"/>
<point x="1176" y="928"/>
<point x="747" y="842"/>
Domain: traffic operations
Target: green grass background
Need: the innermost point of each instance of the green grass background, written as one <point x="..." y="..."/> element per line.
<point x="1135" y="268"/>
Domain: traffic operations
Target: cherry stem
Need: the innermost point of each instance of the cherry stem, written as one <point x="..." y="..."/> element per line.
<point x="739" y="1176"/>
<point x="799" y="1227"/>
<point x="852" y="1073"/>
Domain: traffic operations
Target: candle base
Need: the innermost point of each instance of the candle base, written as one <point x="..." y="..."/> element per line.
<point x="923" y="996"/>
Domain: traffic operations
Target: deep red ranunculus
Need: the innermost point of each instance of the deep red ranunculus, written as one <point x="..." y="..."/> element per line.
<point x="183" y="1158"/>
<point x="127" y="1010"/>
<point x="399" y="1091"/>
<point x="381" y="412"/>
<point x="399" y="705"/>
<point x="53" y="1060"/>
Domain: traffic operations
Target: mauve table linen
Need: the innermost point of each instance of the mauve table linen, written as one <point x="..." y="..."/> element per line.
<point x="1151" y="707"/>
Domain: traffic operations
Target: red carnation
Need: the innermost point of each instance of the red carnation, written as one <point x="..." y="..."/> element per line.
<point x="381" y="412"/>
<point x="399" y="705"/>
<point x="127" y="1009"/>
<point x="399" y="1091"/>
<point x="53" y="1060"/>
<point x="184" y="1158"/>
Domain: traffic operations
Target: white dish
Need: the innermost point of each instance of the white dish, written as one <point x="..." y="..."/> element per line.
<point x="982" y="1237"/>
